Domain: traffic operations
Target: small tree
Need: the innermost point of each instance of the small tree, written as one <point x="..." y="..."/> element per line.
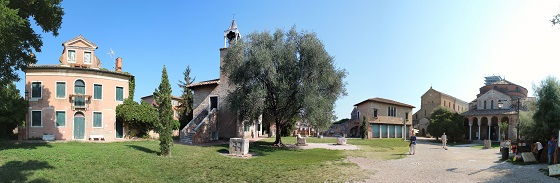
<point x="187" y="99"/>
<point x="141" y="117"/>
<point x="162" y="96"/>
<point x="364" y="128"/>
<point x="547" y="109"/>
<point x="12" y="109"/>
<point x="442" y="120"/>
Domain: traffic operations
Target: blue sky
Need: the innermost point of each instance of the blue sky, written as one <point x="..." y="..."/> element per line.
<point x="390" y="49"/>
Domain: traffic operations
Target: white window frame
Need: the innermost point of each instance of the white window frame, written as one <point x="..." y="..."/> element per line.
<point x="90" y="57"/>
<point x="93" y="96"/>
<point x="93" y="119"/>
<point x="56" y="89"/>
<point x="31" y="94"/>
<point x="68" y="56"/>
<point x="65" y="118"/>
<point x="31" y="118"/>
<point x="120" y="101"/>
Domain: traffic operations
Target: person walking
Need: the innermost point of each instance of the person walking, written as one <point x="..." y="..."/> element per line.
<point x="552" y="143"/>
<point x="444" y="140"/>
<point x="538" y="149"/>
<point x="412" y="145"/>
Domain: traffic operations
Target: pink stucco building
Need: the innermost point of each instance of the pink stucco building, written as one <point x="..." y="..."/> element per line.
<point x="76" y="99"/>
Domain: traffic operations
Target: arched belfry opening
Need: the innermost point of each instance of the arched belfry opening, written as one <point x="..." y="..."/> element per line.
<point x="231" y="34"/>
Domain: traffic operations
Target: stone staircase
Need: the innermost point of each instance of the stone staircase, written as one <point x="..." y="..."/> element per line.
<point x="189" y="132"/>
<point x="188" y="138"/>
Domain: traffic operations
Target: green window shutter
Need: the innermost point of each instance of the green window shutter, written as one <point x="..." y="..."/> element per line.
<point x="119" y="94"/>
<point x="97" y="91"/>
<point x="97" y="119"/>
<point x="36" y="118"/>
<point x="60" y="89"/>
<point x="36" y="90"/>
<point x="60" y="118"/>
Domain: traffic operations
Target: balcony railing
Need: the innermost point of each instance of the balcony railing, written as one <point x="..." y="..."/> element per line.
<point x="80" y="101"/>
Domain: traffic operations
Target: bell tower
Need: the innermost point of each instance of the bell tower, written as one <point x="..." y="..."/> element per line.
<point x="231" y="34"/>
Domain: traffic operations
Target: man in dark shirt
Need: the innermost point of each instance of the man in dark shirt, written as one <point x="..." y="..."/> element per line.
<point x="412" y="145"/>
<point x="552" y="143"/>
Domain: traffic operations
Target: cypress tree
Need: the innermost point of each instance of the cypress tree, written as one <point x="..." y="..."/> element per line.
<point x="162" y="96"/>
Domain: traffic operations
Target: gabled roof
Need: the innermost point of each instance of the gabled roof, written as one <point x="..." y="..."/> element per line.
<point x="202" y="83"/>
<point x="79" y="38"/>
<point x="447" y="95"/>
<point x="151" y="96"/>
<point x="386" y="101"/>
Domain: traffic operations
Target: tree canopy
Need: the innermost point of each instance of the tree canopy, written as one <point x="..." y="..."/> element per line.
<point x="547" y="109"/>
<point x="18" y="40"/>
<point x="12" y="109"/>
<point x="141" y="117"/>
<point x="288" y="74"/>
<point x="162" y="95"/>
<point x="442" y="120"/>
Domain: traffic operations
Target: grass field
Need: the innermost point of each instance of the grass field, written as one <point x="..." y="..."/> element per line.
<point x="138" y="161"/>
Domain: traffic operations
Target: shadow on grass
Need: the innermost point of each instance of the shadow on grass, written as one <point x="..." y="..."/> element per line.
<point x="260" y="148"/>
<point x="143" y="149"/>
<point x="23" y="145"/>
<point x="19" y="171"/>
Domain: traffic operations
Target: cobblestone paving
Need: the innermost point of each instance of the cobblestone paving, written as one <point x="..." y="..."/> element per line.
<point x="432" y="163"/>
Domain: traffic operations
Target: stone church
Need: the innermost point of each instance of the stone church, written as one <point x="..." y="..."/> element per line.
<point x="212" y="119"/>
<point x="431" y="100"/>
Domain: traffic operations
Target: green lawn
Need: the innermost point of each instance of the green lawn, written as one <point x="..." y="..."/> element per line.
<point x="138" y="162"/>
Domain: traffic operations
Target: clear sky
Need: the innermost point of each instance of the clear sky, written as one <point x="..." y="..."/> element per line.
<point x="390" y="49"/>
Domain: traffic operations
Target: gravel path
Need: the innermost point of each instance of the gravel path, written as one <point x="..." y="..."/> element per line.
<point x="457" y="164"/>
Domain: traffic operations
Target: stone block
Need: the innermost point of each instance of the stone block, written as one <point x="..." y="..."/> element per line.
<point x="528" y="157"/>
<point x="301" y="141"/>
<point x="554" y="170"/>
<point x="238" y="146"/>
<point x="487" y="144"/>
<point x="341" y="141"/>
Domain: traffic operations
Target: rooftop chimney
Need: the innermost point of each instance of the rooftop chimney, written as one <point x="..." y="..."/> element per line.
<point x="118" y="64"/>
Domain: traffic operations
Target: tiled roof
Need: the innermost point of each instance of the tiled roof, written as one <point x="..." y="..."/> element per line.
<point x="149" y="96"/>
<point x="483" y="112"/>
<point x="54" y="66"/>
<point x="387" y="101"/>
<point x="202" y="83"/>
<point x="80" y="37"/>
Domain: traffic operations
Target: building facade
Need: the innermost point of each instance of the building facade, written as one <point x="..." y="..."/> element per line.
<point x="175" y="102"/>
<point x="75" y="100"/>
<point x="431" y="100"/>
<point x="212" y="119"/>
<point x="384" y="118"/>
<point x="498" y="102"/>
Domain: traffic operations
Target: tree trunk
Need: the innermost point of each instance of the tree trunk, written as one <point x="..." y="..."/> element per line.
<point x="278" y="141"/>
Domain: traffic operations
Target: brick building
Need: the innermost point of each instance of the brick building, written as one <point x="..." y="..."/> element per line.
<point x="431" y="100"/>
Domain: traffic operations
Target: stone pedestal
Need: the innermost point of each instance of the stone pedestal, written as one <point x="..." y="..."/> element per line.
<point x="48" y="137"/>
<point x="341" y="141"/>
<point x="238" y="146"/>
<point x="301" y="141"/>
<point x="487" y="144"/>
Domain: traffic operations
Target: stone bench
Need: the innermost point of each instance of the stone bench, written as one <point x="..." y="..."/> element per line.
<point x="301" y="141"/>
<point x="99" y="137"/>
<point x="341" y="141"/>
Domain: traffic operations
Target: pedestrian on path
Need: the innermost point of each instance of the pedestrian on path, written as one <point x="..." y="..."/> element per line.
<point x="444" y="140"/>
<point x="412" y="145"/>
<point x="552" y="143"/>
<point x="538" y="149"/>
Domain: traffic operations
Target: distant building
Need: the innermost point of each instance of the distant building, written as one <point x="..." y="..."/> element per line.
<point x="496" y="103"/>
<point x="75" y="100"/>
<point x="431" y="100"/>
<point x="175" y="102"/>
<point x="385" y="119"/>
<point x="488" y="80"/>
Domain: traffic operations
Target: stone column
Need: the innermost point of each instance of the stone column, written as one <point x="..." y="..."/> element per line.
<point x="489" y="133"/>
<point x="470" y="129"/>
<point x="479" y="123"/>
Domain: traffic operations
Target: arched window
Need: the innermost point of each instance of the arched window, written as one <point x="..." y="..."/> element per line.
<point x="492" y="104"/>
<point x="485" y="104"/>
<point x="80" y="89"/>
